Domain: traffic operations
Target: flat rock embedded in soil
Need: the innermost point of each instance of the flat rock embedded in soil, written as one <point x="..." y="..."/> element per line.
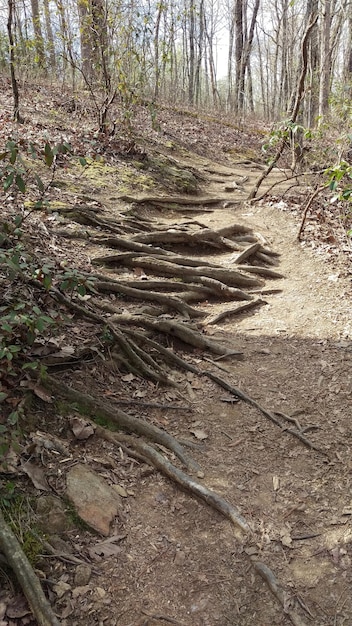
<point x="95" y="502"/>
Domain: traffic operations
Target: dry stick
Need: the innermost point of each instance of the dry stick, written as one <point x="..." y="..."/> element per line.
<point x="120" y="418"/>
<point x="211" y="498"/>
<point x="271" y="416"/>
<point x="214" y="319"/>
<point x="299" y="96"/>
<point x="247" y="252"/>
<point x="25" y="575"/>
<point x="265" y="572"/>
<point x="284" y="180"/>
<point x="307" y="207"/>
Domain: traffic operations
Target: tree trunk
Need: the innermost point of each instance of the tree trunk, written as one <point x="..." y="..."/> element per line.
<point x="49" y="34"/>
<point x="325" y="60"/>
<point x="38" y="36"/>
<point x="238" y="53"/>
<point x="16" y="97"/>
<point x="85" y="23"/>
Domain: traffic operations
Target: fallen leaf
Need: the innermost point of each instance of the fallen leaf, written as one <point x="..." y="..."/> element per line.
<point x="42" y="394"/>
<point x="199" y="434"/>
<point x="80" y="591"/>
<point x="81" y="428"/>
<point x="128" y="378"/>
<point x="120" y="490"/>
<point x="67" y="610"/>
<point x="61" y="588"/>
<point x="106" y="548"/>
<point x="66" y="351"/>
<point x="276" y="483"/>
<point x="36" y="474"/>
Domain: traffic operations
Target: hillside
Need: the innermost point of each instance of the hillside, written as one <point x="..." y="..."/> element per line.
<point x="180" y="451"/>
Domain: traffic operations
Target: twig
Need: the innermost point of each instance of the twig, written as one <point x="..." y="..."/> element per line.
<point x="269" y="414"/>
<point x="307" y="207"/>
<point x="295" y="110"/>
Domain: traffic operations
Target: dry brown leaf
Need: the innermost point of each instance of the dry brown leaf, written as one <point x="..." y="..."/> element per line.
<point x="128" y="378"/>
<point x="276" y="483"/>
<point x="81" y="428"/>
<point x="42" y="394"/>
<point x="61" y="588"/>
<point x="120" y="490"/>
<point x="18" y="608"/>
<point x="106" y="548"/>
<point x="199" y="433"/>
<point x="36" y="474"/>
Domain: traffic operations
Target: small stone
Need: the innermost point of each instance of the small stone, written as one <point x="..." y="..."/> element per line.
<point x="94" y="500"/>
<point x="83" y="574"/>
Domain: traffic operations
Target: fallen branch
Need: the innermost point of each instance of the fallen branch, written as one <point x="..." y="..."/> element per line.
<point x="273" y="417"/>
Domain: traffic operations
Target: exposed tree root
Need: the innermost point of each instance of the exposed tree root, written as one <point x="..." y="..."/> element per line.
<point x="183" y="200"/>
<point x="242" y="528"/>
<point x="124" y="421"/>
<point x="214" y="319"/>
<point x="25" y="575"/>
<point x="231" y="277"/>
<point x="273" y="417"/>
<point x="284" y="599"/>
<point x="175" y="329"/>
<point x="171" y="302"/>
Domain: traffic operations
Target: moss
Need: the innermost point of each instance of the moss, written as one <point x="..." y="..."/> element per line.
<point x="75" y="519"/>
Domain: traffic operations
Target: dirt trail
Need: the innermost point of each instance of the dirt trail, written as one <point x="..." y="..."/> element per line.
<point x="180" y="562"/>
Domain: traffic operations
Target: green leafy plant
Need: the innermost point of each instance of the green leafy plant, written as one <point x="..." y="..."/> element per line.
<point x="17" y="171"/>
<point x="72" y="280"/>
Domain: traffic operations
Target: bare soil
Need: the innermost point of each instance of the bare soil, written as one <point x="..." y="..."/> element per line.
<point x="178" y="561"/>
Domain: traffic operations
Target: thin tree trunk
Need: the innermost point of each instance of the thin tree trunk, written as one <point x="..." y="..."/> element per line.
<point x="38" y="35"/>
<point x="325" y="61"/>
<point x="16" y="98"/>
<point x="49" y="34"/>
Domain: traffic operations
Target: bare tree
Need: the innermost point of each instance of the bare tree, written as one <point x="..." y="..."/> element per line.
<point x="16" y="97"/>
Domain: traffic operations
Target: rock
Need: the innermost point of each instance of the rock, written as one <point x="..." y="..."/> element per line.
<point x="95" y="502"/>
<point x="51" y="515"/>
<point x="82" y="574"/>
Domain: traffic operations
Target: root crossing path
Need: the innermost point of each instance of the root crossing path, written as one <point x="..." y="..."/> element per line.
<point x="190" y="294"/>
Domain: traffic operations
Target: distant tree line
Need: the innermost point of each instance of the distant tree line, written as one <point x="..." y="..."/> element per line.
<point x="238" y="56"/>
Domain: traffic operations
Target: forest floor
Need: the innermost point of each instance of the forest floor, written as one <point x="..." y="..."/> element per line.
<point x="169" y="558"/>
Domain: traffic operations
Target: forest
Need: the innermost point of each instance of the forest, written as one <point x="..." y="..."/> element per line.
<point x="175" y="312"/>
<point x="238" y="57"/>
